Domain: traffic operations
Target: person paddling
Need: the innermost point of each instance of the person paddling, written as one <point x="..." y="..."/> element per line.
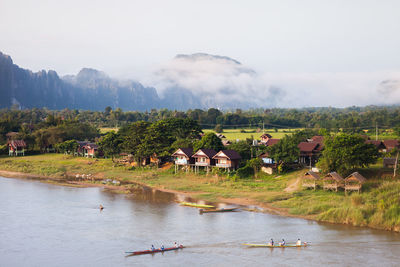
<point x="176" y="245"/>
<point x="282" y="243"/>
<point x="271" y="243"/>
<point x="298" y="243"/>
<point x="153" y="248"/>
<point x="101" y="207"/>
<point x="162" y="247"/>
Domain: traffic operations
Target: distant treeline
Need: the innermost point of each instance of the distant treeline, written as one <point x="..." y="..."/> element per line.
<point x="352" y="119"/>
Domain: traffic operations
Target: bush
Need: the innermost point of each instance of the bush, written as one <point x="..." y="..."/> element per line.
<point x="3" y="150"/>
<point x="245" y="172"/>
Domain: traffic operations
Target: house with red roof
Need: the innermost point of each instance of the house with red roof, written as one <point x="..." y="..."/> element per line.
<point x="309" y="153"/>
<point x="16" y="147"/>
<point x="228" y="159"/>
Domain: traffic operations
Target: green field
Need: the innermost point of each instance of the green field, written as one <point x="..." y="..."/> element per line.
<point x="233" y="134"/>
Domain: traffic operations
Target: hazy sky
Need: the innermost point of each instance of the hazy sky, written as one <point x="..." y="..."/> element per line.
<point x="130" y="38"/>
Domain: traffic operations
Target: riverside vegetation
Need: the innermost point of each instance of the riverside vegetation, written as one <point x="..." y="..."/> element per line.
<point x="378" y="206"/>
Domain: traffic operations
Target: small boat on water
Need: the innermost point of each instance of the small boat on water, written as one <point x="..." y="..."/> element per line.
<point x="218" y="210"/>
<point x="132" y="253"/>
<point x="276" y="246"/>
<point x="195" y="205"/>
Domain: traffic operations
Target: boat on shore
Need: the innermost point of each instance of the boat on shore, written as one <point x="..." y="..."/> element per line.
<point x="133" y="253"/>
<point x="195" y="205"/>
<point x="276" y="246"/>
<point x="218" y="210"/>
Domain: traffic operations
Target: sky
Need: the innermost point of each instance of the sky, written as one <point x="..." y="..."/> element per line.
<point x="330" y="51"/>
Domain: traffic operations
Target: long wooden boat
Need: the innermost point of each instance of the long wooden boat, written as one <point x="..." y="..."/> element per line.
<point x="218" y="210"/>
<point x="195" y="205"/>
<point x="276" y="246"/>
<point x="132" y="253"/>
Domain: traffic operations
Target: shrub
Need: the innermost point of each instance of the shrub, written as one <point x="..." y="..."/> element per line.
<point x="245" y="172"/>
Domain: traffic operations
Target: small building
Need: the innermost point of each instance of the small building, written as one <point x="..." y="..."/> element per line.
<point x="389" y="162"/>
<point x="309" y="153"/>
<point x="271" y="142"/>
<point x="16" y="147"/>
<point x="204" y="158"/>
<point x="90" y="150"/>
<point x="80" y="151"/>
<point x="265" y="157"/>
<point x="317" y="139"/>
<point x="332" y="181"/>
<point x="228" y="159"/>
<point x="389" y="145"/>
<point x="310" y="179"/>
<point x="378" y="144"/>
<point x="265" y="137"/>
<point x="354" y="182"/>
<point x="183" y="156"/>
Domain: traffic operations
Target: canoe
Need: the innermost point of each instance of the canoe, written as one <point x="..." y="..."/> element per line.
<point x="276" y="246"/>
<point x="190" y="204"/>
<point x="218" y="210"/>
<point x="152" y="251"/>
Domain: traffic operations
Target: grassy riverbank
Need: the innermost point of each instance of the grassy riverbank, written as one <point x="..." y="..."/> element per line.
<point x="378" y="206"/>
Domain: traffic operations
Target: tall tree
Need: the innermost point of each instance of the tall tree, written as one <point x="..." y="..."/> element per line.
<point x="345" y="152"/>
<point x="110" y="144"/>
<point x="210" y="141"/>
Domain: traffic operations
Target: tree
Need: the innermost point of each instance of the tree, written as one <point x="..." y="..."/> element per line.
<point x="243" y="148"/>
<point x="134" y="136"/>
<point x="110" y="144"/>
<point x="345" y="152"/>
<point x="210" y="141"/>
<point x="256" y="164"/>
<point x="67" y="147"/>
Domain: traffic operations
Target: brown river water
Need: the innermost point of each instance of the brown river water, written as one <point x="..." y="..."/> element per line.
<point x="50" y="225"/>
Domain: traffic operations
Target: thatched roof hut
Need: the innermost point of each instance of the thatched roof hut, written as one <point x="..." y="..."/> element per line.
<point x="354" y="182"/>
<point x="310" y="179"/>
<point x="332" y="181"/>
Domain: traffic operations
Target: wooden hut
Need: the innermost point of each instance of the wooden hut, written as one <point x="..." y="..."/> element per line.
<point x="228" y="159"/>
<point x="183" y="157"/>
<point x="16" y="147"/>
<point x="90" y="150"/>
<point x="354" y="182"/>
<point x="204" y="158"/>
<point x="310" y="179"/>
<point x="332" y="181"/>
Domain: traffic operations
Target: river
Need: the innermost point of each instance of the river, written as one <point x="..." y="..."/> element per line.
<point x="49" y="225"/>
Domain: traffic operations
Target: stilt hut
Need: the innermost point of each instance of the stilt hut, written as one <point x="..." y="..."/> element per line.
<point x="332" y="181"/>
<point x="354" y="182"/>
<point x="310" y="179"/>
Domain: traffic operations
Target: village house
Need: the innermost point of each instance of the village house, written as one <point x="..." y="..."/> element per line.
<point x="90" y="150"/>
<point x="309" y="153"/>
<point x="378" y="144"/>
<point x="390" y="145"/>
<point x="265" y="137"/>
<point x="228" y="159"/>
<point x="310" y="179"/>
<point x="16" y="147"/>
<point x="80" y="151"/>
<point x="354" y="182"/>
<point x="183" y="158"/>
<point x="332" y="181"/>
<point x="204" y="158"/>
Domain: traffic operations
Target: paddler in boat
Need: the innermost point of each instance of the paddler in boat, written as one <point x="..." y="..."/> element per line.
<point x="176" y="245"/>
<point x="101" y="207"/>
<point x="271" y="243"/>
<point x="153" y="248"/>
<point x="162" y="247"/>
<point x="298" y="243"/>
<point x="282" y="243"/>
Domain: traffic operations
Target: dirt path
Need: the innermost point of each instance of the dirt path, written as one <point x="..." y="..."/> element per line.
<point x="293" y="186"/>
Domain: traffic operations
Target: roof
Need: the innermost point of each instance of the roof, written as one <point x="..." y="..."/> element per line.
<point x="91" y="145"/>
<point x="390" y="144"/>
<point x="17" y="143"/>
<point x="356" y="176"/>
<point x="311" y="174"/>
<point x="318" y="139"/>
<point x="378" y="144"/>
<point x="209" y="153"/>
<point x="266" y="136"/>
<point x="308" y="146"/>
<point x="82" y="143"/>
<point x="226" y="142"/>
<point x="11" y="134"/>
<point x="220" y="136"/>
<point x="264" y="155"/>
<point x="335" y="176"/>
<point x="187" y="151"/>
<point x="230" y="154"/>
<point x="272" y="142"/>
<point x="389" y="161"/>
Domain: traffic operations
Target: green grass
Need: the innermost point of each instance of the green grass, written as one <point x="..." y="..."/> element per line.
<point x="233" y="134"/>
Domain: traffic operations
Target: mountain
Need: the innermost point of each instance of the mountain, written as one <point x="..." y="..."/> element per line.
<point x="89" y="89"/>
